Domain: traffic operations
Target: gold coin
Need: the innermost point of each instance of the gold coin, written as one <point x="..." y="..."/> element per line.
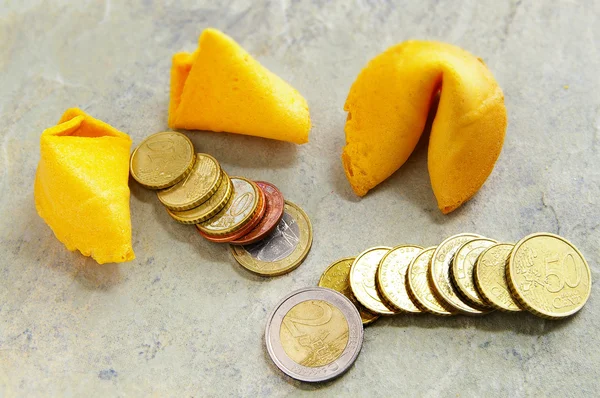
<point x="328" y="333"/>
<point x="418" y="286"/>
<point x="199" y="185"/>
<point x="462" y="270"/>
<point x="337" y="277"/>
<point x="283" y="250"/>
<point x="209" y="208"/>
<point x="237" y="213"/>
<point x="391" y="277"/>
<point x="490" y="277"/>
<point x="362" y="280"/>
<point x="162" y="160"/>
<point x="439" y="274"/>
<point x="548" y="276"/>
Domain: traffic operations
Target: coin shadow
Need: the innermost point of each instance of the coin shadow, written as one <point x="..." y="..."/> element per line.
<point x="161" y="220"/>
<point x="520" y="323"/>
<point x="139" y="192"/>
<point x="243" y="150"/>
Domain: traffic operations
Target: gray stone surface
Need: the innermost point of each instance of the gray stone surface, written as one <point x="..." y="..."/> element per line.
<point x="184" y="319"/>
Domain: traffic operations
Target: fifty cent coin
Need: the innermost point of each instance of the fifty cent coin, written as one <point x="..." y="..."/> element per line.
<point x="274" y="211"/>
<point x="314" y="334"/>
<point x="162" y="160"/>
<point x="281" y="251"/>
<point x="337" y="277"/>
<point x="548" y="276"/>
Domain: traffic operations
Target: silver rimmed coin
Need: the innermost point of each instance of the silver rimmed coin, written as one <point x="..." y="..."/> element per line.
<point x="314" y="334"/>
<point x="283" y="250"/>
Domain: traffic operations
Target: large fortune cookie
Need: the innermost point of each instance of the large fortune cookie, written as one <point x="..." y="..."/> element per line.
<point x="81" y="186"/>
<point x="387" y="110"/>
<point x="220" y="87"/>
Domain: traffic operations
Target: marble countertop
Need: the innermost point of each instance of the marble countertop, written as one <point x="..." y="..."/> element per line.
<point x="184" y="319"/>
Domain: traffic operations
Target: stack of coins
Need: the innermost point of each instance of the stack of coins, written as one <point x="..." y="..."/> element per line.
<point x="269" y="236"/>
<point x="313" y="335"/>
<point x="466" y="274"/>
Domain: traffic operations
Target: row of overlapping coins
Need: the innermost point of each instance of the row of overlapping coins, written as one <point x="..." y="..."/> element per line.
<point x="195" y="190"/>
<point x="466" y="274"/>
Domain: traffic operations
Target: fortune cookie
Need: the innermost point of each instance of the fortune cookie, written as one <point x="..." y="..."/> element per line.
<point x="388" y="106"/>
<point x="81" y="186"/>
<point x="220" y="87"/>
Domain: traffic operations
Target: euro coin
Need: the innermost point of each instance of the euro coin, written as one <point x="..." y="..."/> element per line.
<point x="275" y="204"/>
<point x="548" y="276"/>
<point x="281" y="251"/>
<point x="209" y="208"/>
<point x="162" y="160"/>
<point x="337" y="277"/>
<point x="391" y="277"/>
<point x="490" y="277"/>
<point x="199" y="185"/>
<point x="314" y="334"/>
<point x="462" y="270"/>
<point x="362" y="280"/>
<point x="258" y="215"/>
<point x="237" y="213"/>
<point x="439" y="274"/>
<point x="419" y="288"/>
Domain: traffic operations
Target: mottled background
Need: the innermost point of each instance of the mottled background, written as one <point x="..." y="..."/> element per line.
<point x="184" y="319"/>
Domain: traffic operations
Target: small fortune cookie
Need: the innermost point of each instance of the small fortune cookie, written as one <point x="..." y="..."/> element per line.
<point x="220" y="87"/>
<point x="81" y="187"/>
<point x="387" y="110"/>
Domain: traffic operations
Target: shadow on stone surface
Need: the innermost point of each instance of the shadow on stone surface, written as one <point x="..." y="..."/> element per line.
<point x="520" y="323"/>
<point x="243" y="150"/>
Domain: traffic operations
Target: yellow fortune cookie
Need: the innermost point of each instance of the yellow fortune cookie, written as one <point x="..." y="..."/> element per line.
<point x="387" y="110"/>
<point x="81" y="186"/>
<point x="220" y="87"/>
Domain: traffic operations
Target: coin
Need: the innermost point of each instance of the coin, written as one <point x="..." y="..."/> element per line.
<point x="362" y="280"/>
<point x="281" y="251"/>
<point x="314" y="334"/>
<point x="490" y="277"/>
<point x="258" y="215"/>
<point x="199" y="185"/>
<point x="337" y="277"/>
<point x="548" y="276"/>
<point x="209" y="208"/>
<point x="237" y="213"/>
<point x="162" y="160"/>
<point x="462" y="271"/>
<point x="274" y="211"/>
<point x="418" y="286"/>
<point x="391" y="277"/>
<point x="439" y="274"/>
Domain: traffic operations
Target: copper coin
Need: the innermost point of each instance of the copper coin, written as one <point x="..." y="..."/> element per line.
<point x="275" y="204"/>
<point x="256" y="218"/>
